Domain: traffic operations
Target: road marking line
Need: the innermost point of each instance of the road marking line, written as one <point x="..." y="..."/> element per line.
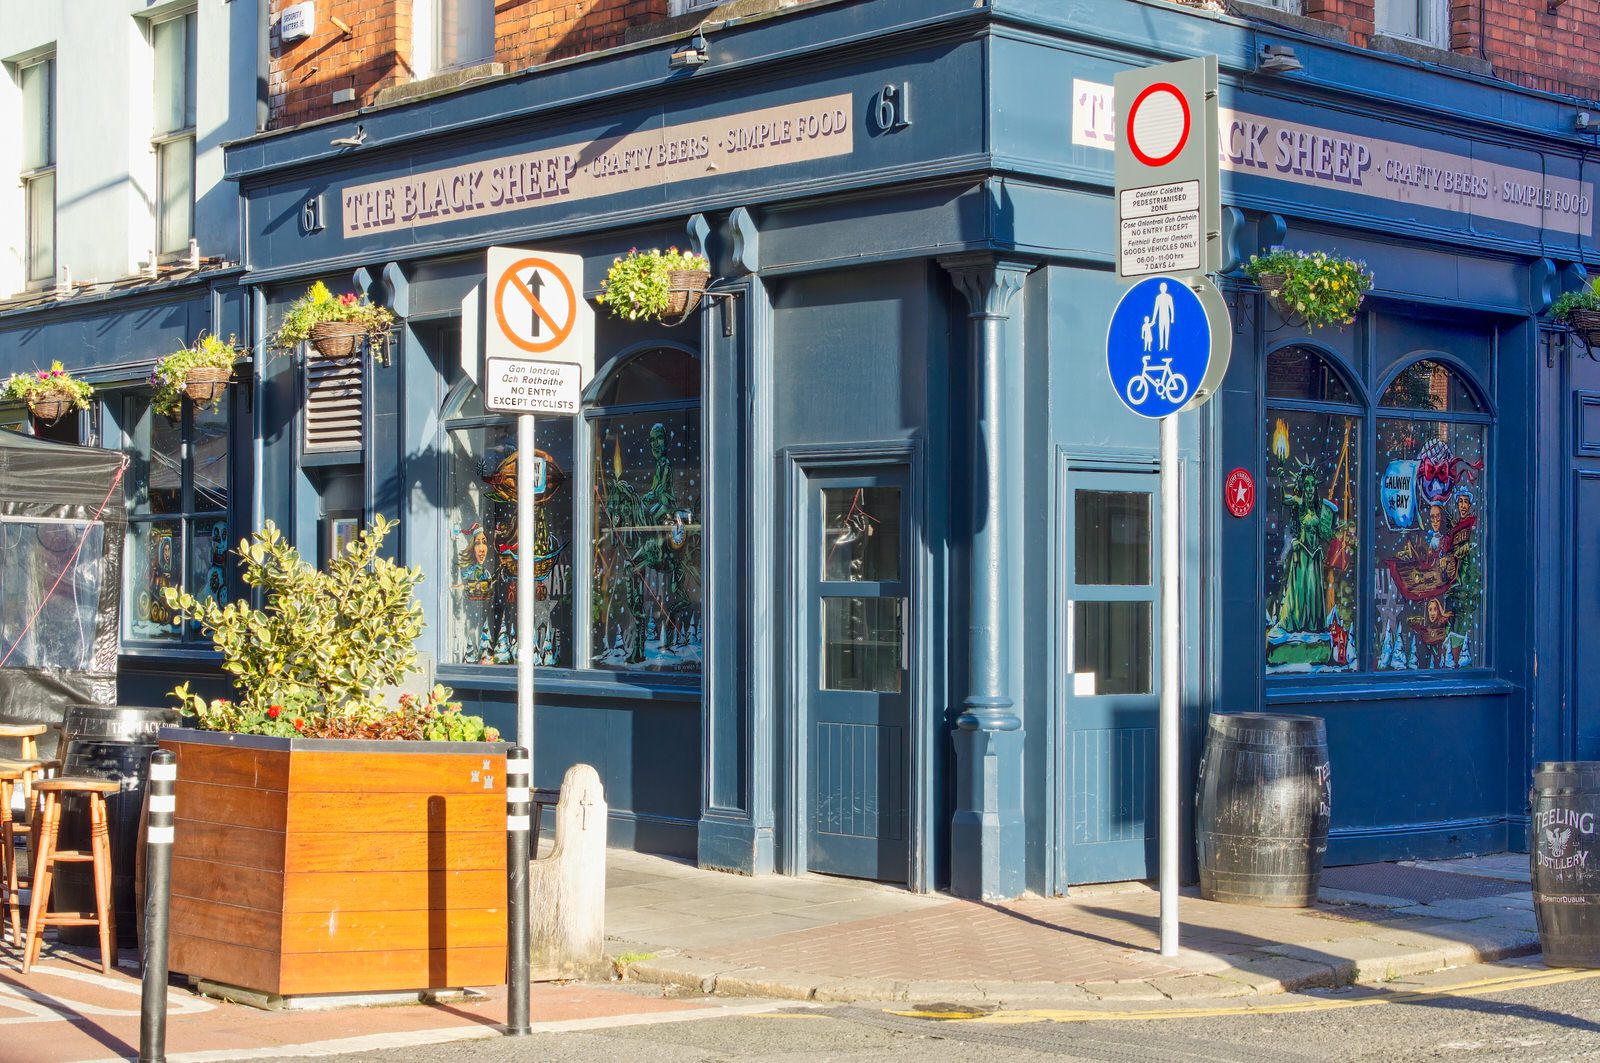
<point x="378" y="1041"/>
<point x="1409" y="996"/>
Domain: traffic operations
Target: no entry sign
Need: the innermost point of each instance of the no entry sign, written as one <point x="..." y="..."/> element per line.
<point x="536" y="308"/>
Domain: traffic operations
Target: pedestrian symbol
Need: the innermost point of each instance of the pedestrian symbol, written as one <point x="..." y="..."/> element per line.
<point x="1158" y="345"/>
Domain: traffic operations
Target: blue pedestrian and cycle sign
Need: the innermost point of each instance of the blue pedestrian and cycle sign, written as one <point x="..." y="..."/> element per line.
<point x="1158" y="347"/>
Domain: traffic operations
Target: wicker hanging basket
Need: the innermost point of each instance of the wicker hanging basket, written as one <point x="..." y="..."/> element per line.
<point x="205" y="384"/>
<point x="1586" y="323"/>
<point x="49" y="408"/>
<point x="336" y="339"/>
<point x="1272" y="285"/>
<point x="684" y="288"/>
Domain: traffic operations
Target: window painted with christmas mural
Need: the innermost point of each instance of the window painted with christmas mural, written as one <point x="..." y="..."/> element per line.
<point x="645" y="594"/>
<point x="483" y="478"/>
<point x="1313" y="474"/>
<point x="1428" y="546"/>
<point x="177" y="485"/>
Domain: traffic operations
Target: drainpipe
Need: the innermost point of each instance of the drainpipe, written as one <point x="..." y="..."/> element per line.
<point x="987" y="854"/>
<point x="263" y="62"/>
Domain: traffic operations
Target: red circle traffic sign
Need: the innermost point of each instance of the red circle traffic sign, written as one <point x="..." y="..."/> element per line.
<point x="559" y="330"/>
<point x="1158" y="124"/>
<point x="1239" y="492"/>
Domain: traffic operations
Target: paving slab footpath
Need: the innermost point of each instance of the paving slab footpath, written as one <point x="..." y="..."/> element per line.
<point x="823" y="939"/>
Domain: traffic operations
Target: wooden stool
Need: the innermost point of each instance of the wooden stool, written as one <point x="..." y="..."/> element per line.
<point x="47" y="856"/>
<point x="10" y="880"/>
<point x="29" y="734"/>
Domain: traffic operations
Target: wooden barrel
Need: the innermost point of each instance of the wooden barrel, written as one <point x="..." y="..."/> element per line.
<point x="113" y="742"/>
<point x="1262" y="809"/>
<point x="1565" y="804"/>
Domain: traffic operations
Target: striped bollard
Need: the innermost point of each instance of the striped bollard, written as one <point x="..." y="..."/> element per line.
<point x="519" y="770"/>
<point x="157" y="905"/>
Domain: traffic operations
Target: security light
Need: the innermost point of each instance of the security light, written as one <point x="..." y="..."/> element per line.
<point x="690" y="54"/>
<point x="1278" y="59"/>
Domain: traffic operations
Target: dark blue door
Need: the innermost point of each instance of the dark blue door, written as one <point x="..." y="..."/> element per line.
<point x="855" y="555"/>
<point x="1108" y="676"/>
<point x="1584" y="693"/>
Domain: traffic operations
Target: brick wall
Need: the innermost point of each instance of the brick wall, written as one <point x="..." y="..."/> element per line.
<point x="308" y="73"/>
<point x="1525" y="43"/>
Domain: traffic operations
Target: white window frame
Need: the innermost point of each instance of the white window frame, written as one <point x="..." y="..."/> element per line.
<point x="683" y="7"/>
<point x="1433" y="21"/>
<point x="163" y="141"/>
<point x="428" y="48"/>
<point x="32" y="175"/>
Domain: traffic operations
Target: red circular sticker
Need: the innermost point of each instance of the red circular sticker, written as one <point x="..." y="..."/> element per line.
<point x="1239" y="492"/>
<point x="1158" y="124"/>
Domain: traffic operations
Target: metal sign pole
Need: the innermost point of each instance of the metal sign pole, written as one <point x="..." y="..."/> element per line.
<point x="1170" y="731"/>
<point x="526" y="457"/>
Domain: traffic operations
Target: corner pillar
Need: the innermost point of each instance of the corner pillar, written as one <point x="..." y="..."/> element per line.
<point x="987" y="844"/>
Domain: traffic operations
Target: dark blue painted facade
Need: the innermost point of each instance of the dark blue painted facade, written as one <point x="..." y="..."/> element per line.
<point x="935" y="300"/>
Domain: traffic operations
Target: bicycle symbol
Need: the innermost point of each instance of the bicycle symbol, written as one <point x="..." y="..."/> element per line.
<point x="1170" y="386"/>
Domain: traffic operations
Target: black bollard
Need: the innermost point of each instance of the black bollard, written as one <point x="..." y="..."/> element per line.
<point x="157" y="904"/>
<point x="519" y="769"/>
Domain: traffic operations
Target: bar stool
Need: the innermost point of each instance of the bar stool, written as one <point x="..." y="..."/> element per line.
<point x="29" y="734"/>
<point x="10" y="880"/>
<point x="47" y="856"/>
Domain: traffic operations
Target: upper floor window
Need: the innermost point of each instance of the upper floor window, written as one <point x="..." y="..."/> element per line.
<point x="1427" y="21"/>
<point x="37" y="80"/>
<point x="173" y="42"/>
<point x="451" y="33"/>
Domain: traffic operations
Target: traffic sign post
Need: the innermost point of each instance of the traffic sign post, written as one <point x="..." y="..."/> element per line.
<point x="1168" y="344"/>
<point x="538" y="353"/>
<point x="1169" y="213"/>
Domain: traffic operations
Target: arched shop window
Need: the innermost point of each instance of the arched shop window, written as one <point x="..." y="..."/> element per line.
<point x="1428" y="545"/>
<point x="642" y="494"/>
<point x="644" y="431"/>
<point x="1312" y="514"/>
<point x="482" y="479"/>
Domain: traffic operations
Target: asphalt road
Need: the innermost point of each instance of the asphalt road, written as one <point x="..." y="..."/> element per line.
<point x="1544" y="1024"/>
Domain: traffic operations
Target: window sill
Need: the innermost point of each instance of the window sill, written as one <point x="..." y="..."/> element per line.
<point x="435" y="84"/>
<point x="153" y="655"/>
<point x="1302" y="690"/>
<point x="1424" y="52"/>
<point x="569" y="682"/>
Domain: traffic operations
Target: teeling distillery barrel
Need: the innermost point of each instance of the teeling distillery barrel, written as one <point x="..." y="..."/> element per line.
<point x="1262" y="810"/>
<point x="113" y="742"/>
<point x="1565" y="803"/>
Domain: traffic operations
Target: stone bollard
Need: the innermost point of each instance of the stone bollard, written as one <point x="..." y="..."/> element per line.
<point x="568" y="887"/>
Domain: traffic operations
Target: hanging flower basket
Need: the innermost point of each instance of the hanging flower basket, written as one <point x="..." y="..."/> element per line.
<point x="205" y="384"/>
<point x="50" y="408"/>
<point x="684" y="288"/>
<point x="336" y="339"/>
<point x="1586" y="323"/>
<point x="1311" y="288"/>
<point x="656" y="285"/>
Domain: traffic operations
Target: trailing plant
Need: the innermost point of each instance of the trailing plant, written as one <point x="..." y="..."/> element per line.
<point x="1321" y="288"/>
<point x="168" y="377"/>
<point x="639" y="285"/>
<point x="1585" y="298"/>
<point x="310" y="661"/>
<point x="319" y="305"/>
<point x="43" y="385"/>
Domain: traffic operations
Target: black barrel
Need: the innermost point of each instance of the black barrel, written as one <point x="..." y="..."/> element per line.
<point x="1565" y="804"/>
<point x="113" y="742"/>
<point x="1262" y="809"/>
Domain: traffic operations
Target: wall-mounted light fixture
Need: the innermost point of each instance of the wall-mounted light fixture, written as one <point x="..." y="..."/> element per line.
<point x="1277" y="59"/>
<point x="1584" y="122"/>
<point x="353" y="141"/>
<point x="689" y="54"/>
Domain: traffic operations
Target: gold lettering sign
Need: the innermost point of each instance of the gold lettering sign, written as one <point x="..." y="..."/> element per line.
<point x="799" y="132"/>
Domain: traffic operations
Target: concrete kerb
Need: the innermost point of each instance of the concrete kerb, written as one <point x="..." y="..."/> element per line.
<point x="1386" y="954"/>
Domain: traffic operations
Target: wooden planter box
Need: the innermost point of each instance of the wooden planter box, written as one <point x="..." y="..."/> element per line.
<point x="320" y="866"/>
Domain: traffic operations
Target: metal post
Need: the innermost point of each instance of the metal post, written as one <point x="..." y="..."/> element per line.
<point x="526" y="456"/>
<point x="157" y="906"/>
<point x="519" y="771"/>
<point x="1171" y="734"/>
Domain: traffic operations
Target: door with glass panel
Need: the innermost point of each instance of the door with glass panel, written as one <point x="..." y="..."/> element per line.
<point x="1107" y="676"/>
<point x="856" y="555"/>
